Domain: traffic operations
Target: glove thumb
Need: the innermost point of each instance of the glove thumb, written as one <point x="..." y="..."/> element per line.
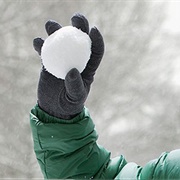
<point x="75" y="88"/>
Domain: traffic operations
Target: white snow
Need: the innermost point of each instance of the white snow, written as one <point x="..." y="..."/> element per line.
<point x="65" y="49"/>
<point x="172" y="24"/>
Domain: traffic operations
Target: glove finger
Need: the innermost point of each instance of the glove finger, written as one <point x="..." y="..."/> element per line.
<point x="97" y="51"/>
<point x="80" y="22"/>
<point x="52" y="26"/>
<point x="37" y="44"/>
<point x="97" y="43"/>
<point x="75" y="87"/>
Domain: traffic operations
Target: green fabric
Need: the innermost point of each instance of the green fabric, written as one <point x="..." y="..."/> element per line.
<point x="68" y="149"/>
<point x="130" y="171"/>
<point x="114" y="166"/>
<point x="167" y="166"/>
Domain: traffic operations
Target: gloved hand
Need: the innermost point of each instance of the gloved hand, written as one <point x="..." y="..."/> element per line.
<point x="65" y="98"/>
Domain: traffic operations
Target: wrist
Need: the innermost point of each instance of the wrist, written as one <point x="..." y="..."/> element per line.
<point x="57" y="114"/>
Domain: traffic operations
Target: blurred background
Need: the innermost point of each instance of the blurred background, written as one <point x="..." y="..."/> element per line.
<point x="134" y="100"/>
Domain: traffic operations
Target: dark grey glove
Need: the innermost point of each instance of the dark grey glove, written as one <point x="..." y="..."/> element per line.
<point x="66" y="98"/>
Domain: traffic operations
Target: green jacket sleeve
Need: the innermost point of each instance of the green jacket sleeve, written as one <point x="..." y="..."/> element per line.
<point x="166" y="167"/>
<point x="67" y="148"/>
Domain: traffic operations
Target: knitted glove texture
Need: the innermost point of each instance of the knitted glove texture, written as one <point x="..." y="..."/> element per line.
<point x="65" y="98"/>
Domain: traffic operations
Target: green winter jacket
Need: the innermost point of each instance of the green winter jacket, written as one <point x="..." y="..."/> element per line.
<point x="67" y="149"/>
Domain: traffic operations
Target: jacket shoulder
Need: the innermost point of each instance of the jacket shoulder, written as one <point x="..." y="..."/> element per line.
<point x="167" y="166"/>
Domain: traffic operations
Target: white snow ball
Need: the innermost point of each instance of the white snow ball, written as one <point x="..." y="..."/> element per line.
<point x="65" y="49"/>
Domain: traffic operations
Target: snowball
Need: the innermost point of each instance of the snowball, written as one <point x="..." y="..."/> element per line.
<point x="65" y="49"/>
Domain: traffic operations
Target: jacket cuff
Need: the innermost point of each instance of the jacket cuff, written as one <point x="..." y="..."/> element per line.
<point x="46" y="118"/>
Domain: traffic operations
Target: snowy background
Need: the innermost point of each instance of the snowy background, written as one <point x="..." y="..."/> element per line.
<point x="135" y="98"/>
